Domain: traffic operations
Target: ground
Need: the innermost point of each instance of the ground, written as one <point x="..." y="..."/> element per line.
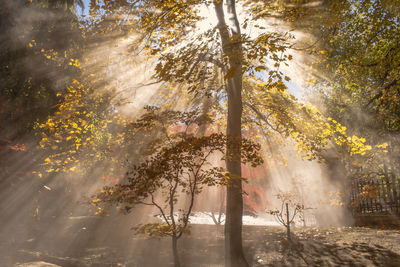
<point x="78" y="245"/>
<point x="345" y="246"/>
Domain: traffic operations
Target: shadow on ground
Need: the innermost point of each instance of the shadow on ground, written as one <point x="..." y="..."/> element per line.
<point x="93" y="245"/>
<point x="327" y="247"/>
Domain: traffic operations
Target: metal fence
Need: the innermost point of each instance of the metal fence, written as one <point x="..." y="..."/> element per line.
<point x="376" y="195"/>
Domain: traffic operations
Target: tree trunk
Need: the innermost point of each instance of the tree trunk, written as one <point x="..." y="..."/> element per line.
<point x="232" y="48"/>
<point x="288" y="222"/>
<point x="175" y="250"/>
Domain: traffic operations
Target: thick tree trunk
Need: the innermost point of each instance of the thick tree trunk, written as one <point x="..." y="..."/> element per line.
<point x="232" y="48"/>
<point x="234" y="200"/>
<point x="177" y="263"/>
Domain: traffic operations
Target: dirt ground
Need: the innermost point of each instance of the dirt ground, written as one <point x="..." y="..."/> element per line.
<point x="346" y="246"/>
<point x="264" y="246"/>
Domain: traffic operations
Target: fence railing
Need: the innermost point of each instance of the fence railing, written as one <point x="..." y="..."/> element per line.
<point x="376" y="195"/>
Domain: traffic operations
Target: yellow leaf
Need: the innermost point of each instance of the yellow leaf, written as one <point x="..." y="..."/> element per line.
<point x="323" y="52"/>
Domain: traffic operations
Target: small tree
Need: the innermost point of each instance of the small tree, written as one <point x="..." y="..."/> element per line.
<point x="216" y="212"/>
<point x="218" y="220"/>
<point x="288" y="211"/>
<point x="178" y="163"/>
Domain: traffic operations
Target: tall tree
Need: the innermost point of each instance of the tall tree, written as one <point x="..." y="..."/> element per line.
<point x="160" y="21"/>
<point x="213" y="62"/>
<point x="231" y="46"/>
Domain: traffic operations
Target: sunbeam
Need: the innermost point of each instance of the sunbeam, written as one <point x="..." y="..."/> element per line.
<point x="199" y="133"/>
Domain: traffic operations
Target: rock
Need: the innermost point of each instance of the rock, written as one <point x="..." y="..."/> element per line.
<point x="36" y="264"/>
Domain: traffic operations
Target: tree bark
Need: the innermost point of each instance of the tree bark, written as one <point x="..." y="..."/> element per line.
<point x="177" y="262"/>
<point x="288" y="222"/>
<point x="232" y="48"/>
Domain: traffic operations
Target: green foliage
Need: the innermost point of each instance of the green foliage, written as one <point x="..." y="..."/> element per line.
<point x="361" y="61"/>
<point x="37" y="42"/>
<point x="364" y="60"/>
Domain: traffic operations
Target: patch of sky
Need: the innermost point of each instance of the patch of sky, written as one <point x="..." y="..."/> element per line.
<point x="295" y="89"/>
<point x="85" y="10"/>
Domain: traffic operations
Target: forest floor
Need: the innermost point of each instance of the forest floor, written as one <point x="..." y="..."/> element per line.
<point x="264" y="246"/>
